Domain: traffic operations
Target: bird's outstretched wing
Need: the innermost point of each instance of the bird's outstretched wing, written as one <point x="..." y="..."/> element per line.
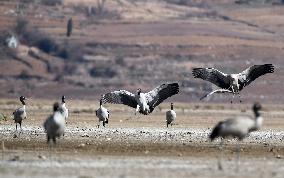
<point x="253" y="72"/>
<point x="212" y="75"/>
<point x="160" y="93"/>
<point x="120" y="97"/>
<point x="216" y="91"/>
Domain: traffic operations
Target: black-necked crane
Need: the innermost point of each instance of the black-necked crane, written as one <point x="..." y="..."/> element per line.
<point x="103" y="114"/>
<point x="65" y="111"/>
<point x="170" y="116"/>
<point x="54" y="125"/>
<point x="238" y="127"/>
<point x="20" y="113"/>
<point x="231" y="83"/>
<point x="144" y="103"/>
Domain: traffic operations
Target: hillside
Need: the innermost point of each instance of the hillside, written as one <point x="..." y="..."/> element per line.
<point x="138" y="44"/>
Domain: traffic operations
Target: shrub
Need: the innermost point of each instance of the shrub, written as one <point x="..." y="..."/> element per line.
<point x="51" y="2"/>
<point x="102" y="72"/>
<point x="47" y="45"/>
<point x="21" y="25"/>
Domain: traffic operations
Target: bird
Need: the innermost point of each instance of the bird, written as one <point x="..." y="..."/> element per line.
<point x="20" y="113"/>
<point x="54" y="125"/>
<point x="103" y="114"/>
<point x="170" y="116"/>
<point x="144" y="103"/>
<point x="64" y="108"/>
<point x="231" y="83"/>
<point x="238" y="127"/>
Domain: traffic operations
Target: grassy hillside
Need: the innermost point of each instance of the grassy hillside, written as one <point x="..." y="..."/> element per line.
<point x="138" y="44"/>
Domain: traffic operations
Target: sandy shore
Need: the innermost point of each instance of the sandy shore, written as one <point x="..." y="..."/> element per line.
<point x="141" y="147"/>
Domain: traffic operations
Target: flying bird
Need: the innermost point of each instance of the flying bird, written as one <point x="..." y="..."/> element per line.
<point x="144" y="103"/>
<point x="103" y="114"/>
<point x="54" y="125"/>
<point x="231" y="83"/>
<point x="238" y="127"/>
<point x="20" y="113"/>
<point x="171" y="116"/>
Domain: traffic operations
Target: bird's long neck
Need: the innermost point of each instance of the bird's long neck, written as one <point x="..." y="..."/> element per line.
<point x="258" y="119"/>
<point x="172" y="107"/>
<point x="23" y="102"/>
<point x="63" y="100"/>
<point x="256" y="113"/>
<point x="101" y="103"/>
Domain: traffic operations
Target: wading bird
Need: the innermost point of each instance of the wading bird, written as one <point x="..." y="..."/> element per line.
<point x="103" y="114"/>
<point x="20" y="113"/>
<point x="170" y="116"/>
<point x="238" y="127"/>
<point x="64" y="108"/>
<point x="54" y="125"/>
<point x="143" y="102"/>
<point x="231" y="83"/>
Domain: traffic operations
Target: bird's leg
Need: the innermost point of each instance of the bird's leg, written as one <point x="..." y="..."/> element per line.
<point x="167" y="125"/>
<point x="238" y="156"/>
<point x="54" y="140"/>
<point x="99" y="124"/>
<point x="240" y="97"/>
<point x="3" y="149"/>
<point x="104" y="124"/>
<point x="220" y="167"/>
<point x="137" y="110"/>
<point x="21" y="126"/>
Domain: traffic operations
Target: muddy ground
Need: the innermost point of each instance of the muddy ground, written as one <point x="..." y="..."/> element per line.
<point x="141" y="147"/>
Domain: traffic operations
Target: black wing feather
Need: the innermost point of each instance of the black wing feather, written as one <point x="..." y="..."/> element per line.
<point x="120" y="97"/>
<point x="253" y="72"/>
<point x="161" y="93"/>
<point x="212" y="75"/>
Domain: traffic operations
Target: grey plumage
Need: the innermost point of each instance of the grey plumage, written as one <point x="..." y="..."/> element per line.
<point x="144" y="103"/>
<point x="238" y="127"/>
<point x="54" y="125"/>
<point x="170" y="116"/>
<point x="65" y="111"/>
<point x="232" y="82"/>
<point x="20" y="113"/>
<point x="103" y="114"/>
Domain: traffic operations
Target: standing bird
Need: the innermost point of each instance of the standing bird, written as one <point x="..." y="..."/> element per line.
<point x="231" y="83"/>
<point x="20" y="113"/>
<point x="143" y="102"/>
<point x="54" y="125"/>
<point x="103" y="114"/>
<point x="238" y="127"/>
<point x="170" y="116"/>
<point x="64" y="109"/>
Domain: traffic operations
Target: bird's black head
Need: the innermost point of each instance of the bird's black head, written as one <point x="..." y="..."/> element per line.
<point x="63" y="99"/>
<point x="172" y="106"/>
<point x="138" y="91"/>
<point x="56" y="106"/>
<point x="256" y="107"/>
<point x="22" y="99"/>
